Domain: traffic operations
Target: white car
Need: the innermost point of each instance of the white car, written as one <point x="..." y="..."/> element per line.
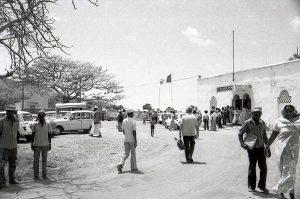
<point x="25" y="122"/>
<point x="75" y="121"/>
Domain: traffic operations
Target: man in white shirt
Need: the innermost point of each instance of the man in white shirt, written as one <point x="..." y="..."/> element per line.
<point x="189" y="127"/>
<point x="130" y="142"/>
<point x="41" y="144"/>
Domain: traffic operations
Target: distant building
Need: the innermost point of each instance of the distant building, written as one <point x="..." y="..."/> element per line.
<point x="34" y="103"/>
<point x="268" y="87"/>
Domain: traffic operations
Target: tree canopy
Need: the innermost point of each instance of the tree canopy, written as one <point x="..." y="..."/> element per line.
<point x="26" y="31"/>
<point x="147" y="107"/>
<point x="69" y="79"/>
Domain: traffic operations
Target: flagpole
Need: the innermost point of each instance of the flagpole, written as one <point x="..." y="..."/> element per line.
<point x="171" y="91"/>
<point x="159" y="97"/>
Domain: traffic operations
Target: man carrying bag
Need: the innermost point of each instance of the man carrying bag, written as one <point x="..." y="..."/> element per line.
<point x="253" y="138"/>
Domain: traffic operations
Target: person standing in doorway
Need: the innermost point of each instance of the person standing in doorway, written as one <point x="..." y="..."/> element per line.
<point x="41" y="144"/>
<point x="206" y="120"/>
<point x="153" y="121"/>
<point x="188" y="128"/>
<point x="9" y="125"/>
<point x="256" y="128"/>
<point x="130" y="142"/>
<point x="213" y="120"/>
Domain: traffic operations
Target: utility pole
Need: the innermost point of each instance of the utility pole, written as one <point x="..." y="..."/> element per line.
<point x="233" y="55"/>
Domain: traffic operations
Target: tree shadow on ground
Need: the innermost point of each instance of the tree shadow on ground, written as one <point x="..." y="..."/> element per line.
<point x="263" y="195"/>
<point x="195" y="162"/>
<point x="134" y="172"/>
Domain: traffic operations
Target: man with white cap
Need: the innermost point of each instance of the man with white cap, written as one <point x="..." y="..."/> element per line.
<point x="41" y="144"/>
<point x="130" y="142"/>
<point x="254" y="142"/>
<point x="9" y="125"/>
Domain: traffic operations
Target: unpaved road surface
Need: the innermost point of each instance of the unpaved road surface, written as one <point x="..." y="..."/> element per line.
<point x="84" y="167"/>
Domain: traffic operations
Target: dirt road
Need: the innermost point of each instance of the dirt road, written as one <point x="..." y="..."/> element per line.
<point x="219" y="169"/>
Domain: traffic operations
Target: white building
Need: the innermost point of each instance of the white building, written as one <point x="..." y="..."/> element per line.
<point x="269" y="87"/>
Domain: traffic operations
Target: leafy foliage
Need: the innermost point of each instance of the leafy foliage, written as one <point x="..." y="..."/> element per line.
<point x="69" y="79"/>
<point x="26" y="31"/>
<point x="147" y="107"/>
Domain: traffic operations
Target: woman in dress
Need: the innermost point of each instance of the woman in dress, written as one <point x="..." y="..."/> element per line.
<point x="213" y="119"/>
<point x="286" y="130"/>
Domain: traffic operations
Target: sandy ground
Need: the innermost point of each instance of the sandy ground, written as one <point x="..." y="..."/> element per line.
<point x="80" y="166"/>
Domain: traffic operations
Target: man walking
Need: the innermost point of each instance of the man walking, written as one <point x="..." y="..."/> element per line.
<point x="130" y="142"/>
<point x="120" y="120"/>
<point x="9" y="125"/>
<point x="255" y="128"/>
<point x="41" y="144"/>
<point x="189" y="127"/>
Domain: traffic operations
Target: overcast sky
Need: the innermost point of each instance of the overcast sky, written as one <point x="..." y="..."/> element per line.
<point x="142" y="41"/>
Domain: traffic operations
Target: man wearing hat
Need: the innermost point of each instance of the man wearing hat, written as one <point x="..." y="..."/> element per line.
<point x="9" y="125"/>
<point x="130" y="142"/>
<point x="41" y="144"/>
<point x="255" y="128"/>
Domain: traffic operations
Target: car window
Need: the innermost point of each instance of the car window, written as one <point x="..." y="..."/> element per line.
<point x="75" y="116"/>
<point x="85" y="115"/>
<point x="27" y="117"/>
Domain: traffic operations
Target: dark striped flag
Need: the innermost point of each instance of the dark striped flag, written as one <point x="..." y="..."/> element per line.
<point x="169" y="78"/>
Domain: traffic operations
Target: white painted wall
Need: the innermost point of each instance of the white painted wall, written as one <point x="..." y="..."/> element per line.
<point x="267" y="83"/>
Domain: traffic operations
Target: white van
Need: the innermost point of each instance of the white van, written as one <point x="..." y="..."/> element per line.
<point x="74" y="121"/>
<point x="25" y="122"/>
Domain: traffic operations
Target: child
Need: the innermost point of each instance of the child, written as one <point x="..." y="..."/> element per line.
<point x="152" y="126"/>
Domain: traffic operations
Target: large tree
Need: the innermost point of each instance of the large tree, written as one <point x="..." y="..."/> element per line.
<point x="26" y="31"/>
<point x="147" y="107"/>
<point x="69" y="79"/>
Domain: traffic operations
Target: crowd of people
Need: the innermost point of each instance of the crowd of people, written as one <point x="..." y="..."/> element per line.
<point x="252" y="137"/>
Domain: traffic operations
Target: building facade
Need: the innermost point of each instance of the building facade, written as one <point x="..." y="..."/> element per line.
<point x="269" y="87"/>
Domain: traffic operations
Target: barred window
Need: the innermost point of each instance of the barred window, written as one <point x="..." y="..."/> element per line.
<point x="284" y="97"/>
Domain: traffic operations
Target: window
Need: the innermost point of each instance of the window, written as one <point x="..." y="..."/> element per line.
<point x="86" y="115"/>
<point x="75" y="116"/>
<point x="27" y="117"/>
<point x="284" y="97"/>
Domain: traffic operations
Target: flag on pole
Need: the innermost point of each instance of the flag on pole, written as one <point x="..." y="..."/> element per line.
<point x="169" y="78"/>
<point x="161" y="81"/>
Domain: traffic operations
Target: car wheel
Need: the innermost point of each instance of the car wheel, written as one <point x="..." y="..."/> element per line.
<point x="59" y="130"/>
<point x="28" y="138"/>
<point x="87" y="130"/>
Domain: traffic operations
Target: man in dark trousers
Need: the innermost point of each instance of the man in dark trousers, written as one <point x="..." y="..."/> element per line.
<point x="255" y="126"/>
<point x="41" y="144"/>
<point x="189" y="127"/>
<point x="9" y="125"/>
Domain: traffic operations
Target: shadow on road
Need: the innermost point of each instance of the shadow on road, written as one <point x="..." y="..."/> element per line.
<point x="262" y="195"/>
<point x="195" y="162"/>
<point x="134" y="172"/>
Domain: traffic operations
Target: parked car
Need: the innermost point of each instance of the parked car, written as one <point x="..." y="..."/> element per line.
<point x="54" y="114"/>
<point x="25" y="122"/>
<point x="74" y="121"/>
<point x="111" y="116"/>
